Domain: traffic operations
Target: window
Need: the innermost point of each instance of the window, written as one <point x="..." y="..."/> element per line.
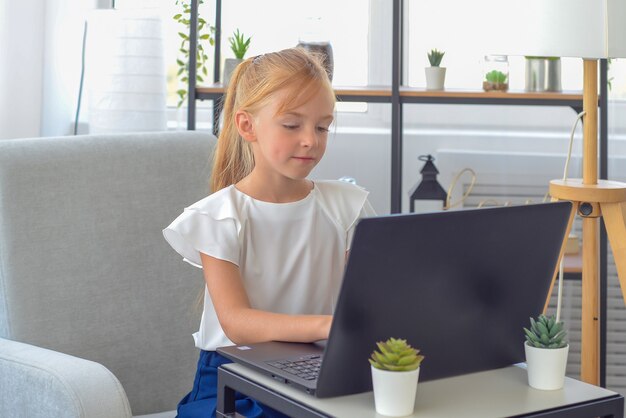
<point x="357" y="30"/>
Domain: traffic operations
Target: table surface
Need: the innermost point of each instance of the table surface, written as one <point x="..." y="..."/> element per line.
<point x="494" y="393"/>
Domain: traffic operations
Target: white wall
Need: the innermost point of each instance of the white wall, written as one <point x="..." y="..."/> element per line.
<point x="21" y="57"/>
<point x="40" y="56"/>
<point x="63" y="33"/>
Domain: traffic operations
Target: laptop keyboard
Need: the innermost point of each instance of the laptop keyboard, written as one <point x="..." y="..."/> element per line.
<point x="306" y="367"/>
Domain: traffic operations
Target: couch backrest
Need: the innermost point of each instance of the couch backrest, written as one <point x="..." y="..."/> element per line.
<point x="84" y="268"/>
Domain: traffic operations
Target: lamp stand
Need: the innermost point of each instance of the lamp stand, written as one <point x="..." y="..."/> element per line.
<point x="594" y="198"/>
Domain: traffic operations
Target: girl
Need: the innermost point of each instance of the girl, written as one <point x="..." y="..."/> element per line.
<point x="272" y="244"/>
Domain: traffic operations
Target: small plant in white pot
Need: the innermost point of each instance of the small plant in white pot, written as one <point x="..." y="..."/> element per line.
<point x="239" y="46"/>
<point x="546" y="353"/>
<point x="395" y="372"/>
<point x="435" y="74"/>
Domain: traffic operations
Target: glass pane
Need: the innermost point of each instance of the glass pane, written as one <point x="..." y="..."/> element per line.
<point x="278" y="24"/>
<point x="453" y="26"/>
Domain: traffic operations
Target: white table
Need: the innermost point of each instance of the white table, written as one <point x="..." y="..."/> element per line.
<point x="495" y="393"/>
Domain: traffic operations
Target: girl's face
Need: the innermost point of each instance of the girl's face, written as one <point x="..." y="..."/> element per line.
<point x="289" y="145"/>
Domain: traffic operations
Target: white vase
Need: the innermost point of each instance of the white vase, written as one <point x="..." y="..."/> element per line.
<point x="435" y="77"/>
<point x="543" y="74"/>
<point x="126" y="75"/>
<point x="546" y="366"/>
<point x="229" y="66"/>
<point x="394" y="392"/>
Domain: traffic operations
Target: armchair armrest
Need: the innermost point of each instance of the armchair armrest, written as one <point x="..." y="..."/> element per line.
<point x="37" y="382"/>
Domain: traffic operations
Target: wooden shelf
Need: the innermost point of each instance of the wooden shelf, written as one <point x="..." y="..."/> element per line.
<point x="344" y="93"/>
<point x="421" y="95"/>
<point x="513" y="97"/>
<point x="380" y="94"/>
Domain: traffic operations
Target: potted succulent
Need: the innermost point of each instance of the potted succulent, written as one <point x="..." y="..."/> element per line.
<point x="435" y="75"/>
<point x="239" y="46"/>
<point x="546" y="350"/>
<point x="496" y="80"/>
<point x="395" y="372"/>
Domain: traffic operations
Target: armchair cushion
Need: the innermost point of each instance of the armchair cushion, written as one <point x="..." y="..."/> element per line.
<point x="36" y="382"/>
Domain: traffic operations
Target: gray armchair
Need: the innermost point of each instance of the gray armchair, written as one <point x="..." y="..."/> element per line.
<point x="96" y="310"/>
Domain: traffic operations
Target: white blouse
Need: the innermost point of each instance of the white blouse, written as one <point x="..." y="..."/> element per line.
<point x="291" y="255"/>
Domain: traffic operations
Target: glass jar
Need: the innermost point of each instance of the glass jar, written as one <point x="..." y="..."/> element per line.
<point x="315" y="39"/>
<point x="496" y="73"/>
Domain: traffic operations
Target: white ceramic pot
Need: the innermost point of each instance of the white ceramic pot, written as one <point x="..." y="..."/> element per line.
<point x="435" y="77"/>
<point x="546" y="366"/>
<point x="394" y="392"/>
<point x="229" y="66"/>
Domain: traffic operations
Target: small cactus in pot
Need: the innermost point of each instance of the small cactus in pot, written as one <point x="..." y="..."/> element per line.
<point x="546" y="332"/>
<point x="546" y="351"/>
<point x="434" y="57"/>
<point x="395" y="371"/>
<point x="396" y="355"/>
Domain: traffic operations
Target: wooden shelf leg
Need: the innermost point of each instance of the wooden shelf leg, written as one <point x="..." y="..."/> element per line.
<point x="614" y="215"/>
<point x="590" y="293"/>
<point x="572" y="215"/>
<point x="590" y="340"/>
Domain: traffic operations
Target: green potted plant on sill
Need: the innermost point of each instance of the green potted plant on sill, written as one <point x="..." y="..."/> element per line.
<point x="546" y="349"/>
<point x="239" y="45"/>
<point x="395" y="372"/>
<point x="435" y="74"/>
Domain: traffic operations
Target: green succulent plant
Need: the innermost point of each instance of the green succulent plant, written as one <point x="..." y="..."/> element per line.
<point x="396" y="355"/>
<point x="496" y="77"/>
<point x="238" y="44"/>
<point x="545" y="332"/>
<point x="435" y="57"/>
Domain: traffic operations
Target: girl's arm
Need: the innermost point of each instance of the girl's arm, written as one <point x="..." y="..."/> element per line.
<point x="245" y="325"/>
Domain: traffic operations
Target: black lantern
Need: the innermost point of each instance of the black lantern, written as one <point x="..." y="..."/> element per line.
<point x="428" y="192"/>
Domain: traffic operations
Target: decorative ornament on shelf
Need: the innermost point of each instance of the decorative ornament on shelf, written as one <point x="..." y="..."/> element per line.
<point x="239" y="46"/>
<point x="546" y="350"/>
<point x="428" y="193"/>
<point x="205" y="34"/>
<point x="395" y="373"/>
<point x="543" y="73"/>
<point x="315" y="39"/>
<point x="435" y="74"/>
<point x="496" y="70"/>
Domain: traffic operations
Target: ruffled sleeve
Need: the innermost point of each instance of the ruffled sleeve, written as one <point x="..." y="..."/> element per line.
<point x="346" y="203"/>
<point x="210" y="226"/>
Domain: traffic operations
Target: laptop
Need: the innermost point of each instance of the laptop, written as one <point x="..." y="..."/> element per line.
<point x="458" y="285"/>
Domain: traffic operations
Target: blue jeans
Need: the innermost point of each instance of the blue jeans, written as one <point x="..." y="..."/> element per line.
<point x="202" y="400"/>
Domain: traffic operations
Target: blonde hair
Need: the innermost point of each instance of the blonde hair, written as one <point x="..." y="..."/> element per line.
<point x="251" y="86"/>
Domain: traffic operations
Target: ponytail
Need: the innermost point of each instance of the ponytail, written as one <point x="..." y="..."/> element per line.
<point x="233" y="158"/>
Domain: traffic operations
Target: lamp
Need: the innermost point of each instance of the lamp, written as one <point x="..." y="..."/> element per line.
<point x="126" y="68"/>
<point x="429" y="193"/>
<point x="589" y="29"/>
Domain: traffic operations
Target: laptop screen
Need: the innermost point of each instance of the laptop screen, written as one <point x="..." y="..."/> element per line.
<point x="458" y="285"/>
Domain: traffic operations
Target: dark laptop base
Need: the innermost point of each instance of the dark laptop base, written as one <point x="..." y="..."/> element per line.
<point x="460" y="286"/>
<point x="261" y="356"/>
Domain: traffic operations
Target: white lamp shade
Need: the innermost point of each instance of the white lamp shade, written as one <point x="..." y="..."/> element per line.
<point x="561" y="28"/>
<point x="126" y="72"/>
